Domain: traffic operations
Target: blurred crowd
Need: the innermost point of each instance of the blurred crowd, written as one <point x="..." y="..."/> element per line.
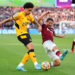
<point x="5" y="13"/>
<point x="58" y="15"/>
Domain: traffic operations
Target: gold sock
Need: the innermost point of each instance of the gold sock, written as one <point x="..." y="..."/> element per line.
<point x="32" y="55"/>
<point x="25" y="59"/>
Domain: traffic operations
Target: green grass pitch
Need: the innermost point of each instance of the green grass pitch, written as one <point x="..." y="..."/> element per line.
<point x="12" y="51"/>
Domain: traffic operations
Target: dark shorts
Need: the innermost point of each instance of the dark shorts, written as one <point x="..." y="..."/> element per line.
<point x="25" y="39"/>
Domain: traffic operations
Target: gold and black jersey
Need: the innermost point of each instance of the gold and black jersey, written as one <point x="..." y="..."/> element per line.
<point x="21" y="21"/>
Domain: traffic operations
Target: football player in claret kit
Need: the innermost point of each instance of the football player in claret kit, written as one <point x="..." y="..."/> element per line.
<point x="50" y="47"/>
<point x="21" y="20"/>
<point x="73" y="44"/>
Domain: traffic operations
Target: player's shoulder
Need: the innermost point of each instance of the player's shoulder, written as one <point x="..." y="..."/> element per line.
<point x="43" y="24"/>
<point x="30" y="15"/>
<point x="31" y="18"/>
<point x="20" y="13"/>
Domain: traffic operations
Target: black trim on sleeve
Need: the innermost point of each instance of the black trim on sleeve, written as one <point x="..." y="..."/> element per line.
<point x="17" y="25"/>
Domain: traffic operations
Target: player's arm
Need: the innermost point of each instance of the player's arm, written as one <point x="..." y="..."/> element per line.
<point x="40" y="18"/>
<point x="38" y="25"/>
<point x="60" y="36"/>
<point x="6" y="20"/>
<point x="39" y="21"/>
<point x="33" y="20"/>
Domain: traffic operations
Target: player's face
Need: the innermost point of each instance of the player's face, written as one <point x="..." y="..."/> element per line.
<point x="50" y="23"/>
<point x="27" y="11"/>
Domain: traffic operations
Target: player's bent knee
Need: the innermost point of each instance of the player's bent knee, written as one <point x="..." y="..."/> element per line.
<point x="58" y="62"/>
<point x="30" y="46"/>
<point x="54" y="48"/>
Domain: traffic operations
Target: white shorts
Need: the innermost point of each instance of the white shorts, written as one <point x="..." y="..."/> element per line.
<point x="48" y="46"/>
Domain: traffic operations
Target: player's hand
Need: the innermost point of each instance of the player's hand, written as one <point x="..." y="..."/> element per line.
<point x="39" y="28"/>
<point x="63" y="35"/>
<point x="0" y="23"/>
<point x="48" y="12"/>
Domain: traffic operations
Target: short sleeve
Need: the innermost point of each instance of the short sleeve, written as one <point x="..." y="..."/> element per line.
<point x="16" y="16"/>
<point x="32" y="18"/>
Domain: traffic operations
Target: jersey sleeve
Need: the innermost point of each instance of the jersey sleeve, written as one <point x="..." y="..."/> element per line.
<point x="16" y="16"/>
<point x="32" y="18"/>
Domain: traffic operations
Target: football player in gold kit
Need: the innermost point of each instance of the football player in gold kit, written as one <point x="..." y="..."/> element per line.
<point x="21" y="20"/>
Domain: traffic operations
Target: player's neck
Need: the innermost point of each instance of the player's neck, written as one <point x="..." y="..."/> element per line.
<point x="49" y="27"/>
<point x="24" y="13"/>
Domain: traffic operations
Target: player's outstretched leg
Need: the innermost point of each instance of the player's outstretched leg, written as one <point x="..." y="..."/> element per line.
<point x="58" y="53"/>
<point x="20" y="68"/>
<point x="31" y="53"/>
<point x="24" y="60"/>
<point x="33" y="58"/>
<point x="55" y="63"/>
<point x="64" y="54"/>
<point x="38" y="66"/>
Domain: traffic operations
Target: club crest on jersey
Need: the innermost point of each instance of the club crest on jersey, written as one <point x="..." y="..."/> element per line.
<point x="24" y="23"/>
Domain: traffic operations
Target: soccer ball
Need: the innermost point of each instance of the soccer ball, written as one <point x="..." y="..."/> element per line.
<point x="45" y="65"/>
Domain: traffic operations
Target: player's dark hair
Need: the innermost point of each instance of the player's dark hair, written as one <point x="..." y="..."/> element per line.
<point x="49" y="19"/>
<point x="28" y="5"/>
